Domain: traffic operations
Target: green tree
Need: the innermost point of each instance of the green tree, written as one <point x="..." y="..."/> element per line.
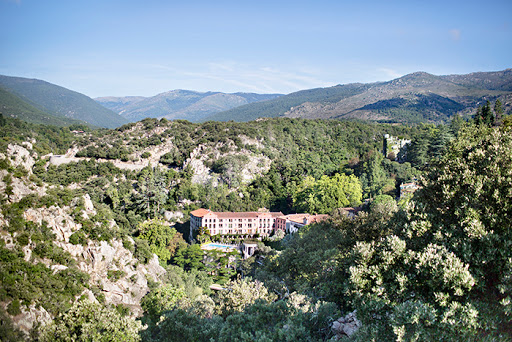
<point x="498" y="113"/>
<point x="327" y="193"/>
<point x="163" y="240"/>
<point x="91" y="322"/>
<point x="190" y="257"/>
<point x="240" y="293"/>
<point x="152" y="192"/>
<point x="449" y="257"/>
<point x="374" y="178"/>
<point x="164" y="298"/>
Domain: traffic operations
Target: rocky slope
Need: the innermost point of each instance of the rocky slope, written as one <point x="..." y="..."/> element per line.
<point x="413" y="98"/>
<point x="116" y="277"/>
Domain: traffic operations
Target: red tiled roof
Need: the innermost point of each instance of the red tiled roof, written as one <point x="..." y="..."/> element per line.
<point x="200" y="212"/>
<point x="248" y="214"/>
<point x="318" y="218"/>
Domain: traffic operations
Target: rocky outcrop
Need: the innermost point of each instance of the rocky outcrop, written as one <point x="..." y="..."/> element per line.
<point x="346" y="326"/>
<point x="29" y="317"/>
<point x="114" y="270"/>
<point x="61" y="223"/>
<point x="20" y="156"/>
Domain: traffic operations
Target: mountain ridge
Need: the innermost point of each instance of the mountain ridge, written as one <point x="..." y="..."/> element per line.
<point x="179" y="104"/>
<point x="412" y="98"/>
<point x="60" y="102"/>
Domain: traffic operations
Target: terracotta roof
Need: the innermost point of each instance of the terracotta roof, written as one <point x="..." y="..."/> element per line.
<point x="200" y="212"/>
<point x="298" y="218"/>
<point x="248" y="214"/>
<point x="318" y="218"/>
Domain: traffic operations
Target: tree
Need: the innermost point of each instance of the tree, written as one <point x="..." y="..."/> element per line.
<point x="450" y="253"/>
<point x="163" y="240"/>
<point x="440" y="139"/>
<point x="189" y="257"/>
<point x="374" y="178"/>
<point x="240" y="293"/>
<point x="91" y="322"/>
<point x="164" y="298"/>
<point x="498" y="112"/>
<point x="152" y="192"/>
<point x="327" y="193"/>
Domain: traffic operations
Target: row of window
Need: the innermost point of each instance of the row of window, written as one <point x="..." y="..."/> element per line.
<point x="240" y="231"/>
<point x="238" y="220"/>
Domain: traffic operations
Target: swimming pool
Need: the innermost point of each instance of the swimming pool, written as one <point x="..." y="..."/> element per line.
<point x="217" y="245"/>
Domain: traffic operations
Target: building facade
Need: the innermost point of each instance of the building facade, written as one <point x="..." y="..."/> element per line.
<point x="291" y="223"/>
<point x="242" y="223"/>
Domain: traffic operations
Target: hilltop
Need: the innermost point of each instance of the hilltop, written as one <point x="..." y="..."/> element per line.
<point x="13" y="106"/>
<point x="60" y="102"/>
<point x="413" y="98"/>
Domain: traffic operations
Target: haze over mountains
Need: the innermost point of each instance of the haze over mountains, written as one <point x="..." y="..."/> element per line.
<point x="413" y="98"/>
<point x="179" y="104"/>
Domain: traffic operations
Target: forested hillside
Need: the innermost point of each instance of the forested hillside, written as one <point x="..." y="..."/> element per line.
<point x="60" y="102"/>
<point x="414" y="98"/>
<point x="13" y="106"/>
<point x="95" y="238"/>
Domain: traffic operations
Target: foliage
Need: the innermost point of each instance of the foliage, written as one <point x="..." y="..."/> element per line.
<point x="88" y="321"/>
<point x="239" y="293"/>
<point x="163" y="240"/>
<point x="164" y="298"/>
<point x="8" y="332"/>
<point x="327" y="194"/>
<point x="450" y="255"/>
<point x="189" y="257"/>
<point x="36" y="283"/>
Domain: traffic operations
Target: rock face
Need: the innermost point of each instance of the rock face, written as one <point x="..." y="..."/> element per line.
<point x="20" y="156"/>
<point x="346" y="326"/>
<point x="28" y="317"/>
<point x="114" y="270"/>
<point x="57" y="219"/>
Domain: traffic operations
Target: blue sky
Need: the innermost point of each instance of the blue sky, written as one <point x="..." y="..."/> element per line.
<point x="120" y="48"/>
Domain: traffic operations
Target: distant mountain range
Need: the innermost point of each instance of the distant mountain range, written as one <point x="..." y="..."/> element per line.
<point x="42" y="102"/>
<point x="413" y="98"/>
<point x="179" y="104"/>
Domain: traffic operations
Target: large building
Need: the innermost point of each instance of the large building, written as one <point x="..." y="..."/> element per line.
<point x="243" y="223"/>
<point x="291" y="223"/>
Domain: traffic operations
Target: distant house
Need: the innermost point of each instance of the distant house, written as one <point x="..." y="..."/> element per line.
<point x="291" y="223"/>
<point x="239" y="223"/>
<point x="394" y="145"/>
<point x="408" y="188"/>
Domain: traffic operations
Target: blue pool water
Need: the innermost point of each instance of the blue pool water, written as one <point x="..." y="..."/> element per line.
<point x="218" y="245"/>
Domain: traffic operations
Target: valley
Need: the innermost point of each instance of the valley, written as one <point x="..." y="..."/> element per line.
<point x="332" y="222"/>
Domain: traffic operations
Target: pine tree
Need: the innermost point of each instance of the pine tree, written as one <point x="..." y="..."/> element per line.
<point x="487" y="114"/>
<point x="498" y="112"/>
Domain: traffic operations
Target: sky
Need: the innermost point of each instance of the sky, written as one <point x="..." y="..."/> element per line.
<point x="142" y="48"/>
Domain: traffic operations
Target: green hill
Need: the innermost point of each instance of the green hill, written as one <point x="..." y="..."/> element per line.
<point x="13" y="106"/>
<point x="279" y="106"/>
<point x="61" y="102"/>
<point x="413" y="98"/>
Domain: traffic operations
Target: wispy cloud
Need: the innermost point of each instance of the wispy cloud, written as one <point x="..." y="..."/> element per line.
<point x="388" y="72"/>
<point x="244" y="77"/>
<point x="455" y="34"/>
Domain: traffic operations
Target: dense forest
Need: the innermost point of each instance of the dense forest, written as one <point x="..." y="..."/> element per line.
<point x="97" y="248"/>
